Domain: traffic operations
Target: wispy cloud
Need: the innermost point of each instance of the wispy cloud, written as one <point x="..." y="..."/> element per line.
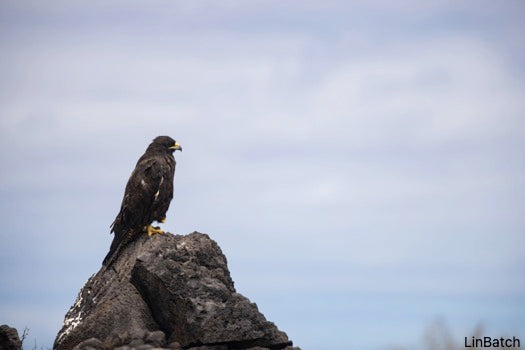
<point x="366" y="147"/>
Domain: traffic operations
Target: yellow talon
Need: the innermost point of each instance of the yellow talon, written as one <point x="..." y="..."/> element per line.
<point x="163" y="220"/>
<point x="154" y="230"/>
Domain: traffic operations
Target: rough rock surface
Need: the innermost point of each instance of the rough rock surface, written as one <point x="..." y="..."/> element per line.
<point x="167" y="291"/>
<point x="9" y="339"/>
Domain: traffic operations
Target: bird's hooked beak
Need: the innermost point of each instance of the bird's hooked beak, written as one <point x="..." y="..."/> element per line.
<point x="176" y="146"/>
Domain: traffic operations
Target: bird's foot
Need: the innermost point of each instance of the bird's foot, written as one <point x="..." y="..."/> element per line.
<point x="163" y="220"/>
<point x="152" y="230"/>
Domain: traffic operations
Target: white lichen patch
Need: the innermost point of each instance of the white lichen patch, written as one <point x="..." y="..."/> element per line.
<point x="74" y="319"/>
<point x="70" y="324"/>
<point x="78" y="302"/>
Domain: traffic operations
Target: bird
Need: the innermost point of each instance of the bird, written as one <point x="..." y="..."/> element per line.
<point x="147" y="196"/>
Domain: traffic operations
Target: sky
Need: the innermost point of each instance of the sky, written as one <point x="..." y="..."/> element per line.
<point x="359" y="163"/>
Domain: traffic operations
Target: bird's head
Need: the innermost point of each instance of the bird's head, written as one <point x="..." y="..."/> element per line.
<point x="165" y="144"/>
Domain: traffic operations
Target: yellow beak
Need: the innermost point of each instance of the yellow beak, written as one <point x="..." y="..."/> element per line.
<point x="176" y="146"/>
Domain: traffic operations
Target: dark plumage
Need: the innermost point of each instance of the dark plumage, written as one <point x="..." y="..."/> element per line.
<point x="147" y="197"/>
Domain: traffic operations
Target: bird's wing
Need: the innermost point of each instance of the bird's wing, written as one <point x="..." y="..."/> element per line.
<point x="140" y="195"/>
<point x="142" y="187"/>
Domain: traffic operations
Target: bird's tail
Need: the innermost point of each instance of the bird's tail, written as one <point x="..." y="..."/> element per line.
<point x="111" y="255"/>
<point x="119" y="241"/>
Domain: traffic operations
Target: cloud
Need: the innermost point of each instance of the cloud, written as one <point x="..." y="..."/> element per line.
<point x="356" y="156"/>
<point x="367" y="134"/>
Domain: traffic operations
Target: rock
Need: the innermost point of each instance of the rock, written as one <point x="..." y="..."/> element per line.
<point x="209" y="347"/>
<point x="9" y="339"/>
<point x="90" y="344"/>
<point x="145" y="347"/>
<point x="167" y="289"/>
<point x="174" y="346"/>
<point x="157" y="338"/>
<point x="137" y="347"/>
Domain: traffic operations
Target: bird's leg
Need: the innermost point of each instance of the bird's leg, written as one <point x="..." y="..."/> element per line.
<point x="163" y="220"/>
<point x="154" y="230"/>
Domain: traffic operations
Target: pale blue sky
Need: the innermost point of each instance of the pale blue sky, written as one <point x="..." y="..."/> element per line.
<point x="360" y="164"/>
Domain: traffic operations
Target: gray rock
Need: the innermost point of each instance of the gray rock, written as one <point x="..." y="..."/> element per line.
<point x="9" y="339"/>
<point x="168" y="287"/>
<point x="174" y="346"/>
<point x="136" y="343"/>
<point x="156" y="338"/>
<point x="209" y="347"/>
<point x="145" y="347"/>
<point x="90" y="344"/>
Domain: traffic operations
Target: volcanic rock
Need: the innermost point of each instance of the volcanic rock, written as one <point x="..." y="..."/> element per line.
<point x="9" y="339"/>
<point x="166" y="292"/>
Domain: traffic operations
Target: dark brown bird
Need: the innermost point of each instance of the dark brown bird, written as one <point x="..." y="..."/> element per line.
<point x="148" y="194"/>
